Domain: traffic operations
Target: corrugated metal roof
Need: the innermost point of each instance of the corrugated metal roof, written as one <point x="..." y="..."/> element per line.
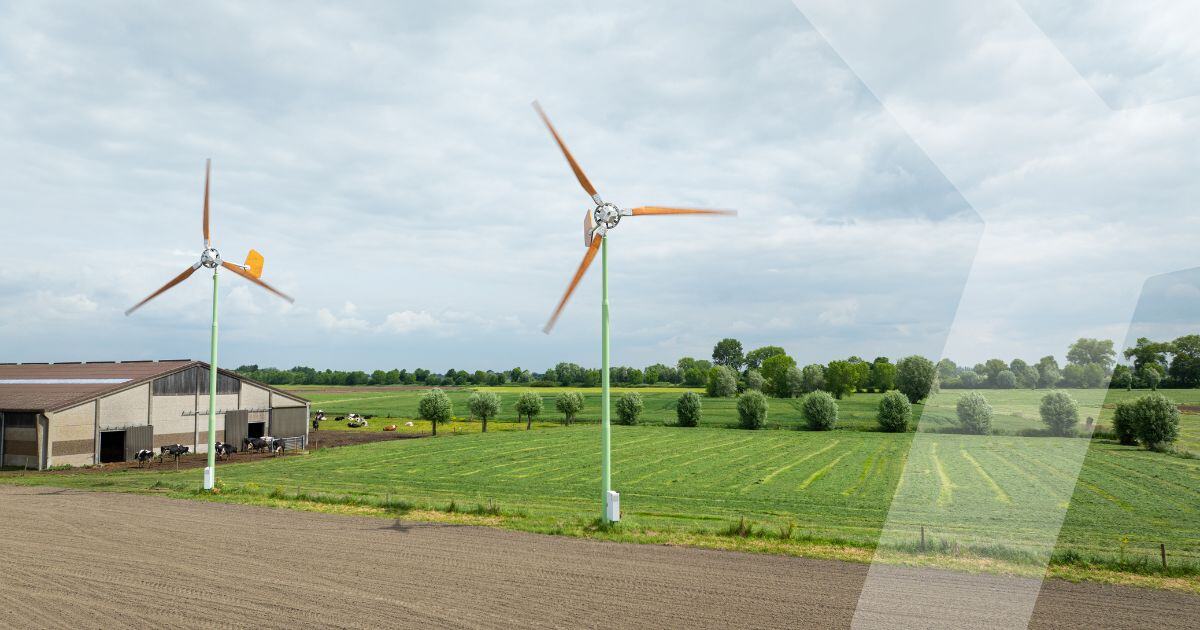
<point x="65" y="383"/>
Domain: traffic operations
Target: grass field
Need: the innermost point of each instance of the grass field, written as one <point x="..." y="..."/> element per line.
<point x="1016" y="410"/>
<point x="835" y="486"/>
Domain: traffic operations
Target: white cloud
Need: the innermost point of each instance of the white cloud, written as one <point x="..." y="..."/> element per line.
<point x="404" y="322"/>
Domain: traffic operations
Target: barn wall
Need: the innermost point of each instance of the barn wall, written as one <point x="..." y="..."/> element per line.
<point x="255" y="397"/>
<point x="171" y="425"/>
<point x="279" y="401"/>
<point x="130" y="407"/>
<point x="22" y="434"/>
<point x="225" y="402"/>
<point x="73" y="435"/>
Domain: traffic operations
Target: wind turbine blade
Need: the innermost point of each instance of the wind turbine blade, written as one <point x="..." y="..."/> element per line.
<point x="659" y="210"/>
<point x="207" y="173"/>
<point x="588" y="257"/>
<point x="247" y="275"/>
<point x="174" y="281"/>
<point x="583" y="180"/>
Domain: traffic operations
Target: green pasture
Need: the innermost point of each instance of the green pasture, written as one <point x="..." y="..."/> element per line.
<point x="1005" y="492"/>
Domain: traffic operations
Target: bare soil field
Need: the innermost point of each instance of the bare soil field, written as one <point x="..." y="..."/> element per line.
<point x="79" y="559"/>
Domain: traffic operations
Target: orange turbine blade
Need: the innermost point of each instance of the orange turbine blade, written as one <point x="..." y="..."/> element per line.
<point x="652" y="210"/>
<point x="588" y="257"/>
<point x="174" y="281"/>
<point x="587" y="185"/>
<point x="207" y="173"/>
<point x="247" y="275"/>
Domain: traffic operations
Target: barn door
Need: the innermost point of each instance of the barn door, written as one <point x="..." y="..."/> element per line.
<point x="289" y="422"/>
<point x="235" y="427"/>
<point x="138" y="438"/>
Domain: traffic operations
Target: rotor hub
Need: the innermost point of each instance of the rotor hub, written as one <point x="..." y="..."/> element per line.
<point x="607" y="214"/>
<point x="210" y="258"/>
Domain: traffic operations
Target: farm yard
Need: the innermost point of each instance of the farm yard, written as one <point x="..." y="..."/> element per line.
<point x="782" y="491"/>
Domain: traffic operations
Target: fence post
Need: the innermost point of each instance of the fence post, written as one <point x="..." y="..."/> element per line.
<point x="1162" y="548"/>
<point x="922" y="539"/>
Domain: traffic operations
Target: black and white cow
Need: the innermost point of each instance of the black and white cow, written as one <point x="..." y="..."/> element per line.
<point x="173" y="450"/>
<point x="225" y="449"/>
<point x="143" y="457"/>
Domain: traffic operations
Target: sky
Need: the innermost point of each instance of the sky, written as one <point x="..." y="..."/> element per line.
<point x="962" y="180"/>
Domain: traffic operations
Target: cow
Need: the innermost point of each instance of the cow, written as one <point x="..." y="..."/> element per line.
<point x="143" y="457"/>
<point x="224" y="450"/>
<point x="257" y="444"/>
<point x="174" y="450"/>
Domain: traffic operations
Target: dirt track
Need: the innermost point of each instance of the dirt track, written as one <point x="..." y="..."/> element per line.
<point x="70" y="558"/>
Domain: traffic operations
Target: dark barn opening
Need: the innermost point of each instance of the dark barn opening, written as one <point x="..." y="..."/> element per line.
<point x="112" y="446"/>
<point x="256" y="429"/>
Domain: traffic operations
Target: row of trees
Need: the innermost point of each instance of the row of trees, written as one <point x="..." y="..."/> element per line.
<point x="437" y="408"/>
<point x="1091" y="363"/>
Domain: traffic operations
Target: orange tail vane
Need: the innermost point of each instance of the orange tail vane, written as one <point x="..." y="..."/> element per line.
<point x="588" y="257"/>
<point x="247" y="275"/>
<point x="254" y="263"/>
<point x="174" y="281"/>
<point x="207" y="173"/>
<point x="583" y="180"/>
<point x="662" y="210"/>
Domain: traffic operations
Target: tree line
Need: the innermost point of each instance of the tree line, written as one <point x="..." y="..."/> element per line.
<point x="1091" y="363"/>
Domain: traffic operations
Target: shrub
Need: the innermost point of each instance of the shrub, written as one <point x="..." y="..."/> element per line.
<point x="894" y="412"/>
<point x="484" y="405"/>
<point x="1006" y="379"/>
<point x="1123" y="423"/>
<point x="1156" y="421"/>
<point x="752" y="410"/>
<point x="569" y="404"/>
<point x="529" y="406"/>
<point x="916" y="377"/>
<point x="687" y="410"/>
<point x="629" y="408"/>
<point x="974" y="413"/>
<point x="1060" y="413"/>
<point x="436" y="407"/>
<point x="1150" y="377"/>
<point x="820" y="411"/>
<point x="722" y="382"/>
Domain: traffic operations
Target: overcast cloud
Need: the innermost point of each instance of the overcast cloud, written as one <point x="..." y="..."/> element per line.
<point x="386" y="161"/>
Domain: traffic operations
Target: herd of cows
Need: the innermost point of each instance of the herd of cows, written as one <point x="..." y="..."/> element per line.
<point x="224" y="450"/>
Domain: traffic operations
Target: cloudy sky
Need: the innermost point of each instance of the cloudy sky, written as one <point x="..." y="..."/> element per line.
<point x="986" y="180"/>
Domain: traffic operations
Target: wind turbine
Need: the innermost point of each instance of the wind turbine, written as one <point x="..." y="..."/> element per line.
<point x="597" y="223"/>
<point x="210" y="258"/>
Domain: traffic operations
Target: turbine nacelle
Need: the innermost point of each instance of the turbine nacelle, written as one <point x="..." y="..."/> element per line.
<point x="210" y="258"/>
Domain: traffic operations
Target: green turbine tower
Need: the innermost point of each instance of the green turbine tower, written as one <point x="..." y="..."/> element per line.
<point x="597" y="223"/>
<point x="210" y="258"/>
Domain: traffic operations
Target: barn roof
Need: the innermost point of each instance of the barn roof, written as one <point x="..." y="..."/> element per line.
<point x="41" y="387"/>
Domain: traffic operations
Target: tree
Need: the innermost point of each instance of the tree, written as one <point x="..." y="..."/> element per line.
<point x="728" y="352"/>
<point x="1028" y="377"/>
<point x="436" y="407"/>
<point x="529" y="406"/>
<point x="793" y="382"/>
<point x="916" y="378"/>
<point x="1006" y="379"/>
<point x="774" y="370"/>
<point x="687" y="410"/>
<point x="1073" y="375"/>
<point x="812" y="378"/>
<point x="1093" y="375"/>
<point x="970" y="379"/>
<point x="629" y="408"/>
<point x="839" y="378"/>
<point x="755" y="358"/>
<point x="883" y="375"/>
<point x="861" y="371"/>
<point x="820" y="411"/>
<point x="752" y="410"/>
<point x="947" y="369"/>
<point x="1048" y="374"/>
<point x="1156" y="421"/>
<point x="992" y="369"/>
<point x="722" y="382"/>
<point x="695" y="377"/>
<point x="1087" y="350"/>
<point x="1146" y="352"/>
<point x="1185" y="366"/>
<point x="1122" y="377"/>
<point x="754" y="380"/>
<point x="484" y="405"/>
<point x="1060" y="413"/>
<point x="974" y="413"/>
<point x="566" y="374"/>
<point x="894" y="412"/>
<point x="1150" y="376"/>
<point x="1124" y="422"/>
<point x="569" y="404"/>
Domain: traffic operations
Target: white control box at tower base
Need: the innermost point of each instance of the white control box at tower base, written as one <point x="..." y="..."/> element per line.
<point x="613" y="506"/>
<point x="208" y="478"/>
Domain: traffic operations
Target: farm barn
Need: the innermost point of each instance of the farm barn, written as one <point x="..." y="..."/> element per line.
<point x="85" y="413"/>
